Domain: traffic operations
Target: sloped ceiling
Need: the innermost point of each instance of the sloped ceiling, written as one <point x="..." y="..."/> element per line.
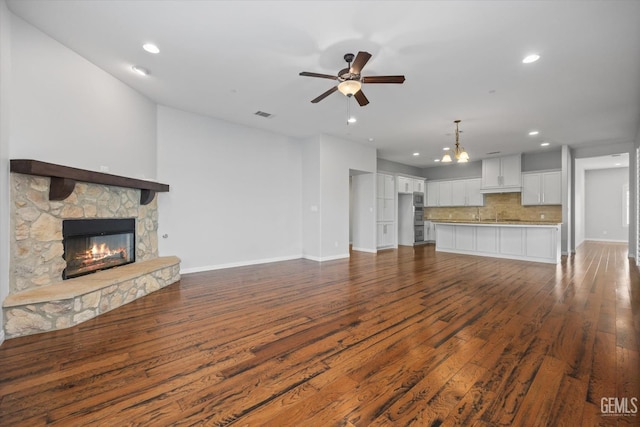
<point x="461" y="59"/>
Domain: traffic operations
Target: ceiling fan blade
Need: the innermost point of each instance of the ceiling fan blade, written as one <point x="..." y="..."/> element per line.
<point x="362" y="100"/>
<point x="359" y="63"/>
<point x="324" y="95"/>
<point x="324" y="76"/>
<point x="383" y="79"/>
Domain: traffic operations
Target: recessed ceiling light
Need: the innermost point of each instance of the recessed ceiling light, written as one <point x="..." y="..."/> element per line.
<point x="140" y="70"/>
<point x="446" y="149"/>
<point x="530" y="58"/>
<point x="544" y="144"/>
<point x="436" y="160"/>
<point x="618" y="164"/>
<point x="371" y="139"/>
<point x="416" y="154"/>
<point x="151" y="48"/>
<point x="351" y="120"/>
<point x="533" y="133"/>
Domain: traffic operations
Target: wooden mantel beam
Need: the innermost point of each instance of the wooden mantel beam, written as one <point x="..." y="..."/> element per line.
<point x="64" y="178"/>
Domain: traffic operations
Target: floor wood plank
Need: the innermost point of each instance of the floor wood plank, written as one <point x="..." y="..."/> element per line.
<point x="403" y="337"/>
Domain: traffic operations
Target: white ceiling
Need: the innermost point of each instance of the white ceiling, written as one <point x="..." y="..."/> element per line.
<point x="461" y="59"/>
<point x="604" y="162"/>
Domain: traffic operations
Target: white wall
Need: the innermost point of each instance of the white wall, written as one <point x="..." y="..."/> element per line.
<point x="578" y="200"/>
<point x="337" y="158"/>
<point x="567" y="230"/>
<point x="235" y="192"/>
<point x="363" y="220"/>
<point x="66" y="110"/>
<point x="327" y="162"/>
<point x="603" y="204"/>
<point x="5" y="104"/>
<point x="311" y="207"/>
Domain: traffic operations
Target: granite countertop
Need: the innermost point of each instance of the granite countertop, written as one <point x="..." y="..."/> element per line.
<point x="494" y="222"/>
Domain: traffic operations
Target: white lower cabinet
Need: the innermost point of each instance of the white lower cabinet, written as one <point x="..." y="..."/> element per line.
<point x="445" y="237"/>
<point x="512" y="241"/>
<point x="530" y="242"/>
<point x="487" y="240"/>
<point x="386" y="235"/>
<point x="539" y="243"/>
<point x="465" y="238"/>
<point x="429" y="231"/>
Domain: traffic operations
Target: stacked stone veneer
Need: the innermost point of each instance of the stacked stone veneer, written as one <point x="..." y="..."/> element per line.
<point x="36" y="241"/>
<point x="37" y="251"/>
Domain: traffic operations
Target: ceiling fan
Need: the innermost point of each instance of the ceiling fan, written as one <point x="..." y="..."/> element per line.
<point x="351" y="80"/>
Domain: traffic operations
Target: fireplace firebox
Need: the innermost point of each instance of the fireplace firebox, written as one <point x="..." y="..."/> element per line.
<point x="91" y="245"/>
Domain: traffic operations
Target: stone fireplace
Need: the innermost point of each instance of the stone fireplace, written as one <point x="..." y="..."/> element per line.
<point x="52" y="289"/>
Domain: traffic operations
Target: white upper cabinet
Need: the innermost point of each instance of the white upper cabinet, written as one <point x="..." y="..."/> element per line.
<point x="541" y="188"/>
<point x="418" y="186"/>
<point x="405" y="185"/>
<point x="433" y="190"/>
<point x="459" y="192"/>
<point x="502" y="174"/>
<point x="474" y="195"/>
<point x="445" y="193"/>
<point x="410" y="185"/>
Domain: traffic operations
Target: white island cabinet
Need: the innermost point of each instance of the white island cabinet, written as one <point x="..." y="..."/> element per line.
<point x="529" y="242"/>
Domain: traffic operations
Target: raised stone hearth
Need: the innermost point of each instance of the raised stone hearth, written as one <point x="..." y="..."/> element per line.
<point x="57" y="307"/>
<point x="39" y="299"/>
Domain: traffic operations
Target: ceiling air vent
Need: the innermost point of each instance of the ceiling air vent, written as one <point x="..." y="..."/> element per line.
<point x="493" y="152"/>
<point x="263" y="114"/>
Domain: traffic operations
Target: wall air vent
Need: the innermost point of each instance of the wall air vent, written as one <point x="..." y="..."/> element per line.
<point x="263" y="114"/>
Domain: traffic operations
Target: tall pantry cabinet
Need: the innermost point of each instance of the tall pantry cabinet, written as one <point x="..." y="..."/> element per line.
<point x="385" y="202"/>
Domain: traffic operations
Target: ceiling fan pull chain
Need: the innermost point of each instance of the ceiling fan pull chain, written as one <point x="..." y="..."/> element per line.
<point x="348" y="110"/>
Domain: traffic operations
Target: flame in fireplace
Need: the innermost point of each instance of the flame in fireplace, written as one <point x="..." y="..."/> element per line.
<point x="102" y="251"/>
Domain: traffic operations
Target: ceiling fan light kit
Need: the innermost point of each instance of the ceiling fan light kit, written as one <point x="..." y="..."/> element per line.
<point x="349" y="87"/>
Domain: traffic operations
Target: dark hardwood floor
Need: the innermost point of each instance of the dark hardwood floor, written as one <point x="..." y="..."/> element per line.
<point x="404" y="337"/>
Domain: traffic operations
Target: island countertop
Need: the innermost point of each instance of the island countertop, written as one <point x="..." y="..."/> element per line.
<point x="507" y="222"/>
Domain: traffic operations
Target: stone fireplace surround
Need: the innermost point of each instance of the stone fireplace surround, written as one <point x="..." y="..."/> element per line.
<point x="39" y="300"/>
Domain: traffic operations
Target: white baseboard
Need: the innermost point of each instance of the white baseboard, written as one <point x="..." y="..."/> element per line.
<point x="373" y="251"/>
<point x="327" y="258"/>
<point x="589" y="239"/>
<point x="238" y="264"/>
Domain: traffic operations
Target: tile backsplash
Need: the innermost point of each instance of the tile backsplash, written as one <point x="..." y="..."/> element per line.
<point x="507" y="206"/>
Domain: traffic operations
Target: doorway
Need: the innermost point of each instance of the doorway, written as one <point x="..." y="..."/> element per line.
<point x="362" y="221"/>
<point x="602" y="210"/>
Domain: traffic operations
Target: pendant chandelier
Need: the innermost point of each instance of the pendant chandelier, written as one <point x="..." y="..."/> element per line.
<point x="458" y="152"/>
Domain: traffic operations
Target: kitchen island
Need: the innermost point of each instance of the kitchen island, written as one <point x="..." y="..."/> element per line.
<point x="528" y="241"/>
